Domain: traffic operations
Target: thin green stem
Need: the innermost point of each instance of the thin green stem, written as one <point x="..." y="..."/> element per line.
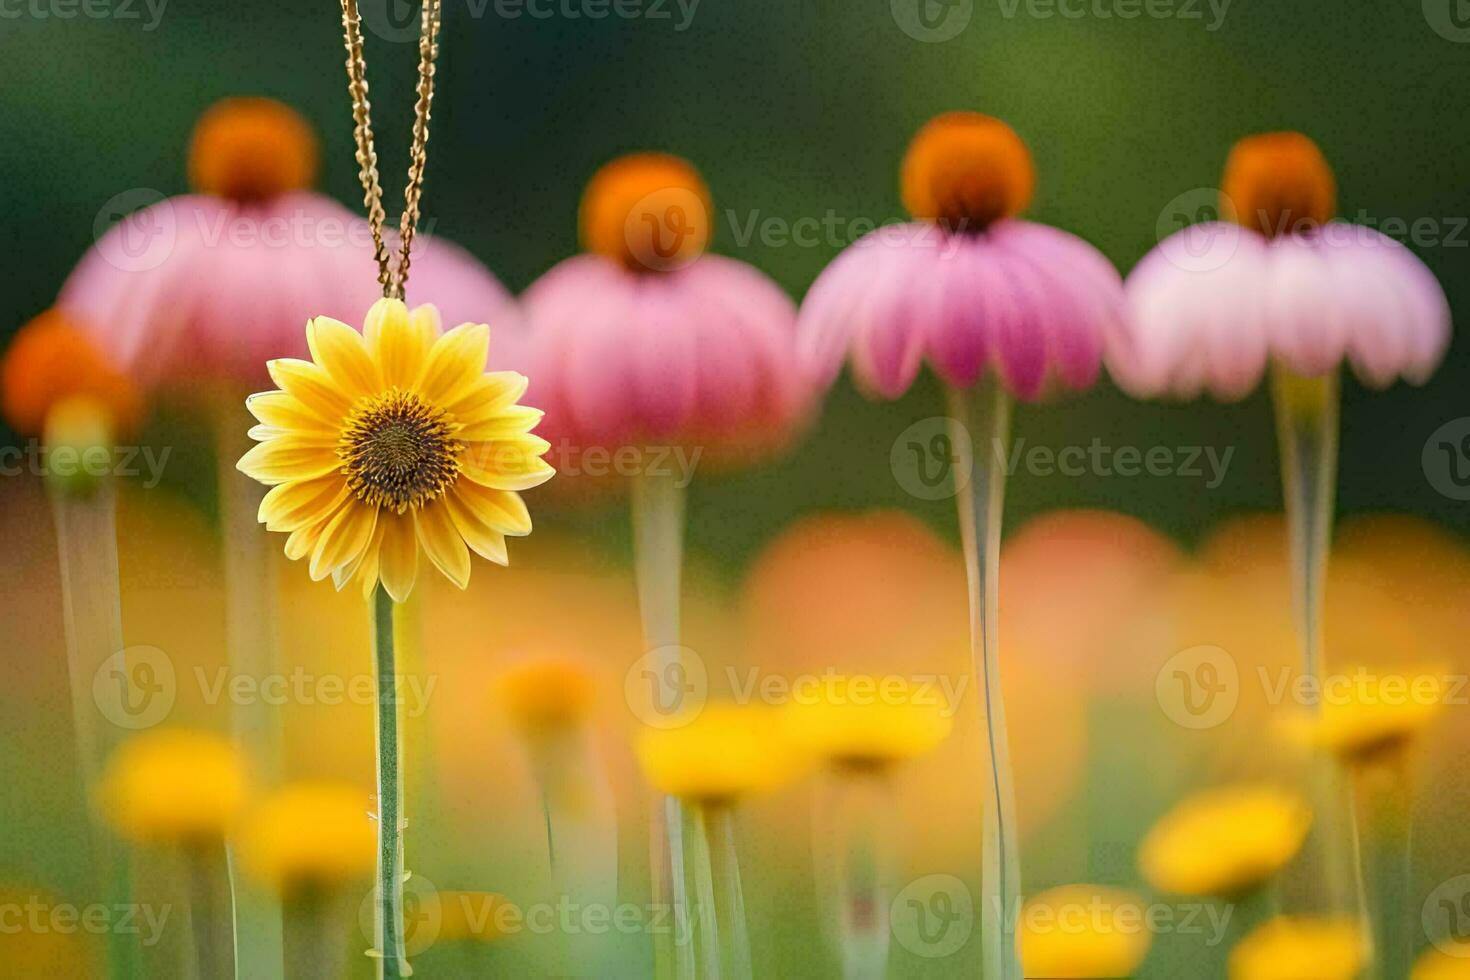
<point x="855" y="826"/>
<point x="314" y="925"/>
<point x="704" y="917"/>
<point x="980" y="434"/>
<point x="658" y="553"/>
<point x="734" y="931"/>
<point x="388" y="934"/>
<point x="212" y="957"/>
<point x="86" y="540"/>
<point x="250" y="643"/>
<point x="1307" y="412"/>
<point x="1384" y="798"/>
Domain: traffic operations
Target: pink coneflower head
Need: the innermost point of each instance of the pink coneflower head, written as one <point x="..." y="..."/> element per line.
<point x="210" y="286"/>
<point x="968" y="288"/>
<point x="1213" y="304"/>
<point x="647" y="342"/>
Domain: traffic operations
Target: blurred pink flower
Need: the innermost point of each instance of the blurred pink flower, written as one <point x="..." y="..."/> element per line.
<point x="1213" y="304"/>
<point x="1025" y="300"/>
<point x="210" y="286"/>
<point x="698" y="350"/>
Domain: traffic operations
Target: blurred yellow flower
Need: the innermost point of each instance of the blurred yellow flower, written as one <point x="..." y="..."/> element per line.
<point x="481" y="916"/>
<point x="174" y="785"/>
<point x="864" y="720"/>
<point x="725" y="752"/>
<point x="1083" y="931"/>
<point x="1370" y="713"/>
<point x="1225" y="841"/>
<point x="392" y="440"/>
<point x="547" y="693"/>
<point x="1441" y="964"/>
<point x="310" y="836"/>
<point x="1287" y="948"/>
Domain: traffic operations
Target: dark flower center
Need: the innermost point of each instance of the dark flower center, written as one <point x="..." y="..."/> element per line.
<point x="399" y="451"/>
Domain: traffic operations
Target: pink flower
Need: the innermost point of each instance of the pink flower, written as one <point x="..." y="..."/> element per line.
<point x="211" y="286"/>
<point x="1212" y="305"/>
<point x="638" y="345"/>
<point x="970" y="289"/>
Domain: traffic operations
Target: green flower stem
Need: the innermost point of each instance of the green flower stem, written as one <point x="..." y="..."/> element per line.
<point x="703" y="914"/>
<point x="315" y="923"/>
<point x="1384" y="796"/>
<point x="980" y="435"/>
<point x="658" y="557"/>
<point x="86" y="540"/>
<point x="734" y="934"/>
<point x="855" y="829"/>
<point x="1307" y="411"/>
<point x="210" y="953"/>
<point x="388" y="933"/>
<point x="250" y="644"/>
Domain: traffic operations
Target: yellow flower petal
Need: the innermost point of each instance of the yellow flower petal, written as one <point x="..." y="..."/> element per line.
<point x="503" y="510"/>
<point x="287" y="458"/>
<point x="517" y="420"/>
<point x="488" y="397"/>
<point x="342" y="351"/>
<point x="301" y="502"/>
<point x="312" y="385"/>
<point x="368" y="557"/>
<point x="343" y="539"/>
<point x="442" y="543"/>
<point x="285" y="411"/>
<point x="398" y="341"/>
<point x="398" y="556"/>
<point x="456" y="360"/>
<point x="514" y="464"/>
<point x="485" y="540"/>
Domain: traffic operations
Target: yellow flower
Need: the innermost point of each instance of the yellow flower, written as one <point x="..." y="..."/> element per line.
<point x="725" y="752"/>
<point x="174" y="785"/>
<point x="392" y="439"/>
<point x="1373" y="713"/>
<point x="310" y="836"/>
<point x="1224" y="841"/>
<point x="1442" y="964"/>
<point x="547" y="693"/>
<point x="869" y="721"/>
<point x="480" y="916"/>
<point x="1083" y="931"/>
<point x="1287" y="948"/>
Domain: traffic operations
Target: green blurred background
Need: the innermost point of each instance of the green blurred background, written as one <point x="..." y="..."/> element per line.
<point x="802" y="110"/>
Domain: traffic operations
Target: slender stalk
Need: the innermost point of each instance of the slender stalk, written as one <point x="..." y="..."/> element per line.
<point x="855" y="832"/>
<point x="1307" y="425"/>
<point x="1384" y="796"/>
<point x="658" y="555"/>
<point x="315" y="922"/>
<point x="704" y="916"/>
<point x="210" y="931"/>
<point x="250" y="644"/>
<point x="388" y="932"/>
<point x="86" y="540"/>
<point x="734" y="931"/>
<point x="980" y="433"/>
